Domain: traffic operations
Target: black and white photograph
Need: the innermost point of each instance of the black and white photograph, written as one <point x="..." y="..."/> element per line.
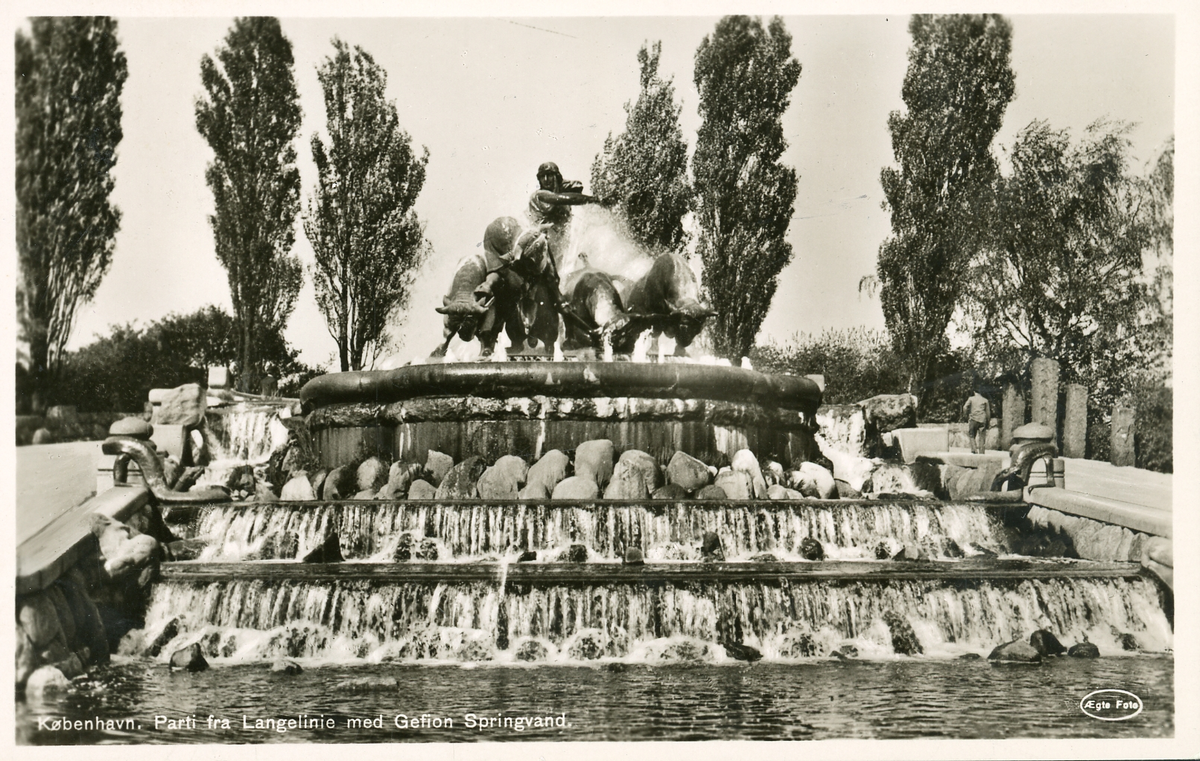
<point x="542" y="380"/>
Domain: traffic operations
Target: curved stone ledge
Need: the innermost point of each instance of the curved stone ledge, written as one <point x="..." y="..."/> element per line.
<point x="563" y="379"/>
<point x="538" y="408"/>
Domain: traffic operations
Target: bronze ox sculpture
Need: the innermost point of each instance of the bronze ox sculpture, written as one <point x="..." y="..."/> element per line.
<point x="513" y="286"/>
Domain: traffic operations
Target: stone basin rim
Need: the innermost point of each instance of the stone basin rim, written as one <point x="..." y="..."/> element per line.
<point x="562" y="379"/>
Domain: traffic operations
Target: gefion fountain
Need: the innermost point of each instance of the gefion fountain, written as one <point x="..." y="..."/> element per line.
<point x="626" y="550"/>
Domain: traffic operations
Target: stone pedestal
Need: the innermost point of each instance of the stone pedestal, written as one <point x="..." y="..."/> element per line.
<point x="1123" y="430"/>
<point x="1044" y="401"/>
<point x="1012" y="414"/>
<point x="1075" y="422"/>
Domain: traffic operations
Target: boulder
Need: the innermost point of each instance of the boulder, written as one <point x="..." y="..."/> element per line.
<point x="297" y="489"/>
<point x="672" y="492"/>
<point x="687" y="472"/>
<point x="589" y="645"/>
<point x="185" y="549"/>
<point x="513" y="465"/>
<point x="44" y="436"/>
<point x="1046" y="643"/>
<point x="1084" y="649"/>
<point x="400" y="478"/>
<point x="183" y="405"/>
<point x="887" y="412"/>
<point x="645" y="464"/>
<point x="745" y="462"/>
<point x="46" y="682"/>
<point x="172" y="471"/>
<point x="318" y="480"/>
<point x="372" y="474"/>
<point x="577" y="488"/>
<point x="460" y="481"/>
<point x="1017" y="651"/>
<point x="293" y="460"/>
<point x="548" y="471"/>
<point x="779" y="492"/>
<point x="576" y="553"/>
<point x="39" y="619"/>
<point x="437" y="465"/>
<point x="328" y="551"/>
<point x="132" y="556"/>
<point x="527" y="556"/>
<point x="627" y="483"/>
<point x="340" y="483"/>
<point x="633" y="556"/>
<point x="811" y="549"/>
<point x="533" y="491"/>
<point x="89" y="628"/>
<point x="854" y="471"/>
<point x="503" y="480"/>
<point x="405" y="547"/>
<point x="773" y="472"/>
<point x="710" y="547"/>
<point x="427" y="550"/>
<point x="286" y="667"/>
<point x="710" y="492"/>
<point x="594" y="460"/>
<point x="365" y="494"/>
<point x="532" y="650"/>
<point x="904" y="639"/>
<point x="742" y="652"/>
<point x="189" y="658"/>
<point x="735" y="483"/>
<point x="421" y="489"/>
<point x="133" y="427"/>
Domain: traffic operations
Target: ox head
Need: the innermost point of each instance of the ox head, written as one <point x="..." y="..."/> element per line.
<point x="688" y="318"/>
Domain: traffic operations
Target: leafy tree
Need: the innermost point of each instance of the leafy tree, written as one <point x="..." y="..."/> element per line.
<point x="745" y="75"/>
<point x="958" y="85"/>
<point x="645" y="167"/>
<point x="1064" y="276"/>
<point x="856" y="364"/>
<point x="69" y="76"/>
<point x="116" y="372"/>
<point x="1158" y="260"/>
<point x="250" y="118"/>
<point x="367" y="238"/>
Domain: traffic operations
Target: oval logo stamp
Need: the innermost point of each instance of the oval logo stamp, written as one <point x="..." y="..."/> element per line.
<point x="1111" y="705"/>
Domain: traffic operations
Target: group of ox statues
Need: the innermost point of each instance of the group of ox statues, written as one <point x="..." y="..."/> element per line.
<point x="513" y="285"/>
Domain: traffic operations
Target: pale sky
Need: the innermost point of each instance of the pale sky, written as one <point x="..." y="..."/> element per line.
<point x="492" y="98"/>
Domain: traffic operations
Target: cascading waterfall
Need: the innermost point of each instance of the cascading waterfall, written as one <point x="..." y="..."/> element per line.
<point x="255" y="620"/>
<point x="844" y="429"/>
<point x="667" y="531"/>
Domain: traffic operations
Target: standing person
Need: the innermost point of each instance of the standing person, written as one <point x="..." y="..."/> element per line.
<point x="551" y="205"/>
<point x="978" y="412"/>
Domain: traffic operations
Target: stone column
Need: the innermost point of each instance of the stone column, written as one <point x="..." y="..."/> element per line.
<point x="1044" y="401"/>
<point x="1123" y="429"/>
<point x="1012" y="414"/>
<point x="1075" y="422"/>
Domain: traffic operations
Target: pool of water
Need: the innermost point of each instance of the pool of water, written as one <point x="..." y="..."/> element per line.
<point x="901" y="698"/>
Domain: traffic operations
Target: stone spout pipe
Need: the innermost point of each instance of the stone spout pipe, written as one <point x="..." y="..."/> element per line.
<point x="147" y="460"/>
<point x="1023" y="458"/>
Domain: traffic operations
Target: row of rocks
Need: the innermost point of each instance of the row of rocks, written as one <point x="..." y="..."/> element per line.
<point x="596" y="471"/>
<point x="59" y="633"/>
<point x="1043" y="644"/>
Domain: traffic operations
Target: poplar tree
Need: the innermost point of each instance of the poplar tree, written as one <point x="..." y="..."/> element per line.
<point x="69" y="75"/>
<point x="250" y="116"/>
<point x="745" y="75"/>
<point x="956" y="90"/>
<point x="645" y="167"/>
<point x="367" y="239"/>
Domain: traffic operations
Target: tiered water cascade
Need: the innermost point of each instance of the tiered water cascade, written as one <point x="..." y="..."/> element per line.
<point x="577" y="606"/>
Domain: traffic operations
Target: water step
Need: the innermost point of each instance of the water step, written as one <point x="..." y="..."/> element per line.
<point x="551" y="574"/>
